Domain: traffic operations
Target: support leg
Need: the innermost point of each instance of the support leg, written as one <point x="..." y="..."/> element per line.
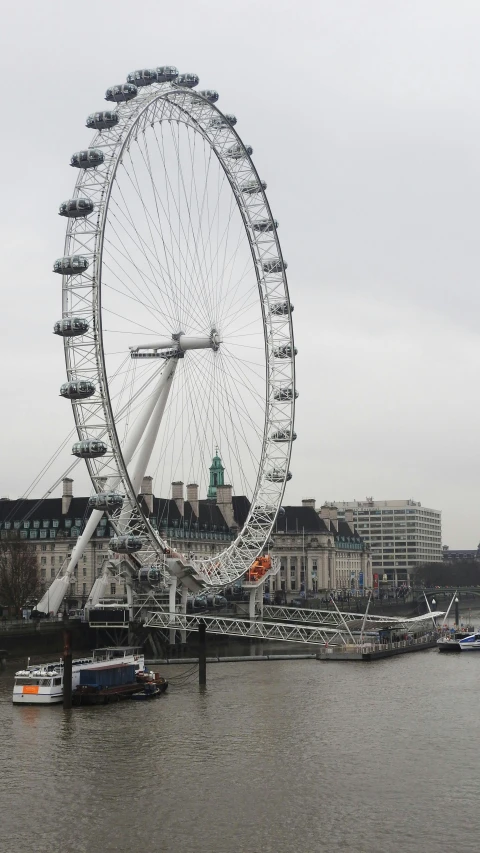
<point x="183" y="609"/>
<point x="251" y="603"/>
<point x="172" y="592"/>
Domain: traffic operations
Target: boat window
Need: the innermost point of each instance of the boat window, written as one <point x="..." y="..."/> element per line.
<point x="57" y="681"/>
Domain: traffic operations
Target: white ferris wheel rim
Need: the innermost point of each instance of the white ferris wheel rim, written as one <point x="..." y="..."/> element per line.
<point x="85" y="356"/>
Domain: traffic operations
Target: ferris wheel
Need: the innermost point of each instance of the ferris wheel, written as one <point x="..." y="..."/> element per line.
<point x="176" y="321"/>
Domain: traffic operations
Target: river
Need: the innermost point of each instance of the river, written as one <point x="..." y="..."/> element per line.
<point x="273" y="757"/>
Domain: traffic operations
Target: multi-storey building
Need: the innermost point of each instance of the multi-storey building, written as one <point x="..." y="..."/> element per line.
<point x="317" y="551"/>
<point x="401" y="534"/>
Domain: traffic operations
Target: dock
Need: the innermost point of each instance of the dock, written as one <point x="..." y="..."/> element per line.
<point x="376" y="651"/>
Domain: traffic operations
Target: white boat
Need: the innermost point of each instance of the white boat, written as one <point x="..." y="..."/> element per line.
<point x="42" y="684"/>
<point x="470" y="644"/>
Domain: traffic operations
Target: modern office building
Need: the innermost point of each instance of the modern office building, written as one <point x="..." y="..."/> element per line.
<point x="402" y="534"/>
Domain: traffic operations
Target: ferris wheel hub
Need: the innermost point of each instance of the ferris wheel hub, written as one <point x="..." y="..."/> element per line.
<point x="179" y="343"/>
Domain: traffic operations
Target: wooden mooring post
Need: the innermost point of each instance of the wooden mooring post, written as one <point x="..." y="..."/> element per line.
<point x="202" y="653"/>
<point x="67" y="668"/>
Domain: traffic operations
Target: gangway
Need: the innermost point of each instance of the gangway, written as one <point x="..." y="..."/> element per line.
<point x="232" y="626"/>
<point x="285" y="631"/>
<point x="322" y="617"/>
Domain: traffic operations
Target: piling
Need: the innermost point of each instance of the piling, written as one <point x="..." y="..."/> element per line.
<point x="67" y="668"/>
<point x="202" y="653"/>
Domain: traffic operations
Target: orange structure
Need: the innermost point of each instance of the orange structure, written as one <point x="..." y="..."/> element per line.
<point x="258" y="569"/>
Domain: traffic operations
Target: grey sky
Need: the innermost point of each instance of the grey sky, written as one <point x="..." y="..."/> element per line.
<point x="365" y="120"/>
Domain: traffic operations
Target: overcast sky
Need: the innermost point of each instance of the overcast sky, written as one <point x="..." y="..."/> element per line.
<point x="364" y="116"/>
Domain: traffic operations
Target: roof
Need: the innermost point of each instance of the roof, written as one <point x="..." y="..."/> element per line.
<point x="299" y="519"/>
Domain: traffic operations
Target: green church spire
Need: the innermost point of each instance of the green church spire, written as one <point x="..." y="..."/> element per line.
<point x="217" y="472"/>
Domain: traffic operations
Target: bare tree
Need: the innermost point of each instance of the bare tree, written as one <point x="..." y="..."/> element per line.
<point x="19" y="579"/>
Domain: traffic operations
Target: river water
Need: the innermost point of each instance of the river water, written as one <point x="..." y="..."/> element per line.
<point x="272" y="757"/>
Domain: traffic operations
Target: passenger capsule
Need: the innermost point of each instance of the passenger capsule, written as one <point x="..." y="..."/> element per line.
<point x="252" y="187"/>
<point x="149" y="574"/>
<point x="210" y="95"/>
<point x="238" y="151"/>
<point x="76" y="207"/>
<point x="277" y="309"/>
<point x="89" y="449"/>
<point x="275" y="265"/>
<point x="166" y="73"/>
<point x="102" y="120"/>
<point x="188" y="80"/>
<point x="77" y="389"/>
<point x="125" y="544"/>
<point x="143" y="77"/>
<point x="285" y="351"/>
<point x="70" y="265"/>
<point x="278" y="475"/>
<point x="106" y="501"/>
<point x="88" y="159"/>
<point x="264" y="225"/>
<point x="226" y="120"/>
<point x="123" y="92"/>
<point x="284" y="435"/>
<point x="284" y="394"/>
<point x="71" y="327"/>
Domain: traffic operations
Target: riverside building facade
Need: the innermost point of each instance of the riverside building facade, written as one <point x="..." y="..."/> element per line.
<point x="319" y="551"/>
<point x="401" y="534"/>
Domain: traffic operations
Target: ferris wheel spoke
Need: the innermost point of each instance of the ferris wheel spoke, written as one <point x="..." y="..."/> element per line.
<point x="123" y="218"/>
<point x="195" y="272"/>
<point x="179" y="234"/>
<point x="112" y="249"/>
<point x="152" y="246"/>
<point x="243" y="415"/>
<point x="180" y="300"/>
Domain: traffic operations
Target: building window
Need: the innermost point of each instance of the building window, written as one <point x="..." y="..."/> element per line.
<point x="113" y="589"/>
<point x="7" y="525"/>
<point x="55" y="522"/>
<point x="16" y="525"/>
<point x="53" y="533"/>
<point x="68" y="522"/>
<point x="43" y="560"/>
<point x="23" y="534"/>
<point x="26" y="525"/>
<point x="43" y="547"/>
<point x="36" y="524"/>
<point x="45" y="524"/>
<point x="33" y="534"/>
<point x="43" y="574"/>
<point x="52" y="561"/>
<point x="84" y="588"/>
<point x="43" y="534"/>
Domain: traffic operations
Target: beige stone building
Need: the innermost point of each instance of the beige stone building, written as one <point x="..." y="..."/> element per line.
<point x="315" y="549"/>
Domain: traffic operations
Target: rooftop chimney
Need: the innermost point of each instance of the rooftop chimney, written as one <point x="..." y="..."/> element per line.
<point x="192" y="498"/>
<point x="177" y="495"/>
<point x="225" y="504"/>
<point x="66" y="495"/>
<point x="349" y="518"/>
<point x="325" y="514"/>
<point x="147" y="493"/>
<point x="309" y="502"/>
